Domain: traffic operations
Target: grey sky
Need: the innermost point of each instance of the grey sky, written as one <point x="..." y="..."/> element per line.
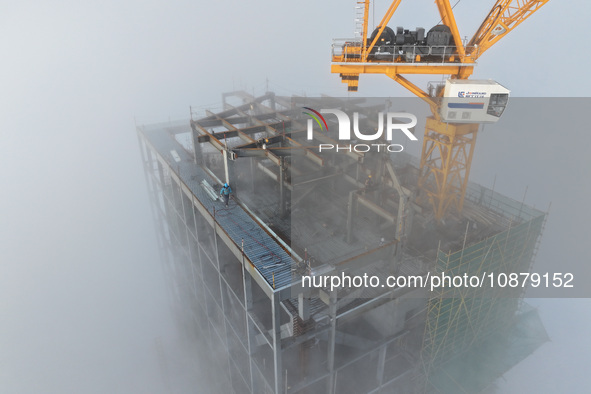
<point x="82" y="299"/>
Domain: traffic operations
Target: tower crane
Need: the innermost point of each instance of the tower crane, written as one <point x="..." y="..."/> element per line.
<point x="458" y="107"/>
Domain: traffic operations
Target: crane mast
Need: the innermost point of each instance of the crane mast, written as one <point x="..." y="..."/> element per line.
<point x="448" y="145"/>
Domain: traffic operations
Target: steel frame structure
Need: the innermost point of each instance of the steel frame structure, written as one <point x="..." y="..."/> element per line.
<point x="251" y="314"/>
<point x="269" y="333"/>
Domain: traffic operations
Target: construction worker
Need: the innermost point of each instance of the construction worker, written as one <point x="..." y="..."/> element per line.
<point x="368" y="183"/>
<point x="225" y="193"/>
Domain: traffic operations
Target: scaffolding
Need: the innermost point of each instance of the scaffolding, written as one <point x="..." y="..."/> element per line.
<point x="458" y="318"/>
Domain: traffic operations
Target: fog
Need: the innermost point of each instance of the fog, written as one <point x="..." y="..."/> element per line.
<point x="83" y="302"/>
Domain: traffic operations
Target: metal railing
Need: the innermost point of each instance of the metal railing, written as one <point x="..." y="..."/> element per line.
<point x="351" y="49"/>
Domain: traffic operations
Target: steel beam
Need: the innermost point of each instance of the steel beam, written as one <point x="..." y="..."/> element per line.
<point x="376" y="209"/>
<point x="332" y="316"/>
<point x="277" y="356"/>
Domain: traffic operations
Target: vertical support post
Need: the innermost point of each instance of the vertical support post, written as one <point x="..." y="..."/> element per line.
<point x="303" y="307"/>
<point x="400" y="218"/>
<point x="381" y="364"/>
<point x="160" y="172"/>
<point x="277" y="364"/>
<point x="167" y="200"/>
<point x="224" y="328"/>
<point x="332" y="315"/>
<point x="350" y="208"/>
<point x="247" y="285"/>
<point x="226" y="172"/>
<point x="196" y="146"/>
<point x="281" y="187"/>
<point x="252" y="173"/>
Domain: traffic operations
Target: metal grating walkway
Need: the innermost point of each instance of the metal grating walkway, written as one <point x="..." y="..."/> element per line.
<point x="270" y="259"/>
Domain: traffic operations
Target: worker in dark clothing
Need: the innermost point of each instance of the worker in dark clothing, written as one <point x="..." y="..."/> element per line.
<point x="225" y="193"/>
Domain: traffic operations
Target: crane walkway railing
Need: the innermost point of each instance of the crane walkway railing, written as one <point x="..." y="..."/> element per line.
<point x="349" y="50"/>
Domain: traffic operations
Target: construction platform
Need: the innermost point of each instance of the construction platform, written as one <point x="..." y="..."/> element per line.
<point x="236" y="272"/>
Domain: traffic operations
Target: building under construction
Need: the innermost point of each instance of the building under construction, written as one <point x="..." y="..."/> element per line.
<point x="236" y="272"/>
